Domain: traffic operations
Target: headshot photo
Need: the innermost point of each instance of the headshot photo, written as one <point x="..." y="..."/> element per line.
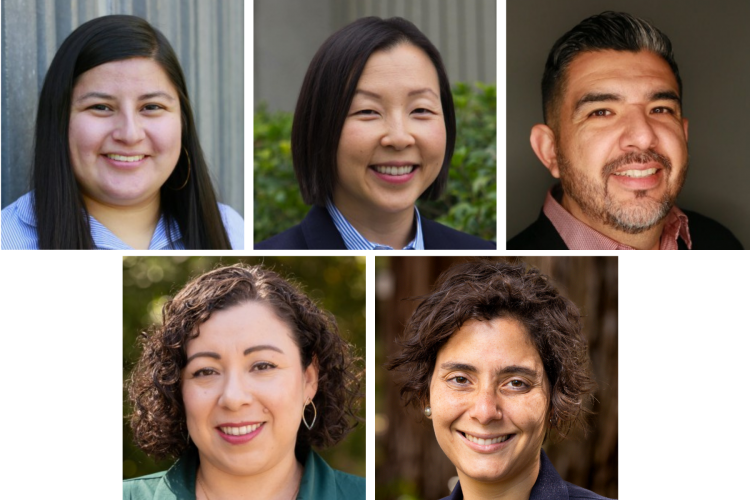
<point x="122" y="125"/>
<point x="496" y="378"/>
<point x="614" y="138"/>
<point x="375" y="125"/>
<point x="244" y="376"/>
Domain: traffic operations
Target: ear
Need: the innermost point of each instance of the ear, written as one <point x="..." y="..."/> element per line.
<point x="311" y="379"/>
<point x="685" y="127"/>
<point x="543" y="143"/>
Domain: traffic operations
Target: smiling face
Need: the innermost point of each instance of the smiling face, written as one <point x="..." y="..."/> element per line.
<point x="244" y="389"/>
<point x="124" y="132"/>
<point x="621" y="141"/>
<point x="489" y="397"/>
<point x="393" y="141"/>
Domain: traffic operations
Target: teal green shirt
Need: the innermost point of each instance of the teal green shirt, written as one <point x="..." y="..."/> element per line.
<point x="178" y="483"/>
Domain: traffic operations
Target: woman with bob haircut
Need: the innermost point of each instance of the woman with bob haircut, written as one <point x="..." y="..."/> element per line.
<point x="373" y="131"/>
<point x="245" y="375"/>
<point x="494" y="356"/>
<point x="117" y="160"/>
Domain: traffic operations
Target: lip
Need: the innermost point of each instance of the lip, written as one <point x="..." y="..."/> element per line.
<point x="486" y="448"/>
<point x="395" y="164"/>
<point x="237" y="440"/>
<point x="638" y="183"/>
<point x="395" y="179"/>
<point x="125" y="165"/>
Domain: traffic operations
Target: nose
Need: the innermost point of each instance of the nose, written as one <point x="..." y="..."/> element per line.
<point x="236" y="392"/>
<point x="638" y="133"/>
<point x="128" y="128"/>
<point x="486" y="406"/>
<point x="397" y="134"/>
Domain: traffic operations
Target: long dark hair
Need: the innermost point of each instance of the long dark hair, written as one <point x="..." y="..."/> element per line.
<point x="61" y="217"/>
<point x="327" y="93"/>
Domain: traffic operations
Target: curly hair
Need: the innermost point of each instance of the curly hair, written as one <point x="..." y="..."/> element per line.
<point x="158" y="419"/>
<point x="484" y="290"/>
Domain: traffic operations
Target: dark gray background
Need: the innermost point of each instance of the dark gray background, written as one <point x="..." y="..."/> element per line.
<point x="711" y="42"/>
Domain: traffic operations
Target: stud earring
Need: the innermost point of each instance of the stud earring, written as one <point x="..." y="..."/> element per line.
<point x="428" y="412"/>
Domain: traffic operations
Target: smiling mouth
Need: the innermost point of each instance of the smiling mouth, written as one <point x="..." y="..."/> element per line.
<point x="636" y="173"/>
<point x="390" y="170"/>
<point x="240" y="431"/>
<point x="126" y="158"/>
<point x="476" y="440"/>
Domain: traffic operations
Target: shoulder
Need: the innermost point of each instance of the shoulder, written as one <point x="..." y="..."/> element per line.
<point x="291" y="239"/>
<point x="707" y="234"/>
<point x="234" y="225"/>
<point x="316" y="232"/>
<point x="540" y="235"/>
<point x="349" y="485"/>
<point x="578" y="493"/>
<point x="321" y="481"/>
<point x="18" y="225"/>
<point x="440" y="237"/>
<point x="141" y="488"/>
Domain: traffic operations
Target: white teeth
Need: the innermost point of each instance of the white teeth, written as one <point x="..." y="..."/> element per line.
<point x="477" y="440"/>
<point x="394" y="170"/>
<point x="240" y="431"/>
<point x="637" y="173"/>
<point x="126" y="158"/>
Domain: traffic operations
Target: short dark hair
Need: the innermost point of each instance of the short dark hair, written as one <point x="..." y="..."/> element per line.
<point x="484" y="290"/>
<point x="61" y="216"/>
<point x="606" y="31"/>
<point x="327" y="93"/>
<point x="158" y="419"/>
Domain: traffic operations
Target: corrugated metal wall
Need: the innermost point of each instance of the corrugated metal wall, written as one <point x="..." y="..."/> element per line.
<point x="208" y="39"/>
<point x="289" y="32"/>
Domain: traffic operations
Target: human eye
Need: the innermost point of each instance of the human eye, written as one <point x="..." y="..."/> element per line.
<point x="459" y="380"/>
<point x="100" y="107"/>
<point x="662" y="110"/>
<point x="153" y="107"/>
<point x="600" y="113"/>
<point x="366" y="112"/>
<point x="204" y="372"/>
<point x="263" y="366"/>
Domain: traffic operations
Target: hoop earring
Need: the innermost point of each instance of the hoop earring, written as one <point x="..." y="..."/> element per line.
<point x="315" y="415"/>
<point x="187" y="155"/>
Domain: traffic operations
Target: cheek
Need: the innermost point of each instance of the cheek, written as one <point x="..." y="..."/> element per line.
<point x="85" y="136"/>
<point x="166" y="136"/>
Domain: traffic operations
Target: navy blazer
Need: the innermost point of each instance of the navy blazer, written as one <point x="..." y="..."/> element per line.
<point x="548" y="486"/>
<point x="318" y="232"/>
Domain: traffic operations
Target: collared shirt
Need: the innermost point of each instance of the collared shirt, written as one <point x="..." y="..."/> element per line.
<point x="579" y="236"/>
<point x="18" y="229"/>
<point x="355" y="241"/>
<point x="319" y="481"/>
<point x="548" y="486"/>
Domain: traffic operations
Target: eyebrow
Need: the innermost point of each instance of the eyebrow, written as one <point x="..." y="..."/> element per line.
<point x="213" y="355"/>
<point x="108" y="97"/>
<point x="410" y="94"/>
<point x="658" y="95"/>
<point x="508" y="370"/>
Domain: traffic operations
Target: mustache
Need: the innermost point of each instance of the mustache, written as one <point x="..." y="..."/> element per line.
<point x="636" y="157"/>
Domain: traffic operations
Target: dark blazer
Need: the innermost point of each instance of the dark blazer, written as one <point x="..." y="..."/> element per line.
<point x="548" y="486"/>
<point x="707" y="234"/>
<point x="317" y="232"/>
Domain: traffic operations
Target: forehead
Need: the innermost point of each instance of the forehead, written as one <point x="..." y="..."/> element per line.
<point x="492" y="344"/>
<point x="136" y="74"/>
<point x="617" y="71"/>
<point x="241" y="326"/>
<point x="402" y="63"/>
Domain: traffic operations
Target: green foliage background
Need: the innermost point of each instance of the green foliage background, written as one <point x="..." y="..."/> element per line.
<point x="469" y="203"/>
<point x="337" y="284"/>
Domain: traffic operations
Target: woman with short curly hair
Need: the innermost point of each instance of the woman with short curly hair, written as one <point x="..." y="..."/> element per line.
<point x="245" y="375"/>
<point x="494" y="356"/>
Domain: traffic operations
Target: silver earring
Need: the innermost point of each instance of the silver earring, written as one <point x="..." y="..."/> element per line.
<point x="315" y="415"/>
<point x="428" y="412"/>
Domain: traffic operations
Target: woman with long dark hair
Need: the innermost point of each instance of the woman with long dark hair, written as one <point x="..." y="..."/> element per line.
<point x="117" y="160"/>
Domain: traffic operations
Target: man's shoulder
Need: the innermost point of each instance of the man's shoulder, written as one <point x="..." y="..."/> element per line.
<point x="707" y="234"/>
<point x="440" y="237"/>
<point x="540" y="235"/>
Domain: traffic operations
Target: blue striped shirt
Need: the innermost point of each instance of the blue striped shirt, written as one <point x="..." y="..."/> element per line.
<point x="355" y="241"/>
<point x="18" y="230"/>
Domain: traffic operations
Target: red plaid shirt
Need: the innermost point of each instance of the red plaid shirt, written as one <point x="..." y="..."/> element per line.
<point x="579" y="236"/>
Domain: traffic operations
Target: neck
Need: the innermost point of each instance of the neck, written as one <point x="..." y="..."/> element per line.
<point x="281" y="482"/>
<point x="646" y="240"/>
<point x="395" y="229"/>
<point x="516" y="488"/>
<point x="134" y="225"/>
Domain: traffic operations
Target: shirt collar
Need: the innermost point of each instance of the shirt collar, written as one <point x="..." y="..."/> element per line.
<point x="579" y="236"/>
<point x="355" y="241"/>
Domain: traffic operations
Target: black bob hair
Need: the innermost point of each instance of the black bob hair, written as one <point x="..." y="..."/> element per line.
<point x="327" y="93"/>
<point x="61" y="216"/>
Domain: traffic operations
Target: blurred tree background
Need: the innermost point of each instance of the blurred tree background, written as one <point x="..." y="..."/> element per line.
<point x="337" y="284"/>
<point x="409" y="464"/>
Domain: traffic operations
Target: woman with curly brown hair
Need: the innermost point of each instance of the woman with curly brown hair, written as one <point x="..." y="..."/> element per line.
<point x="494" y="356"/>
<point x="244" y="376"/>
